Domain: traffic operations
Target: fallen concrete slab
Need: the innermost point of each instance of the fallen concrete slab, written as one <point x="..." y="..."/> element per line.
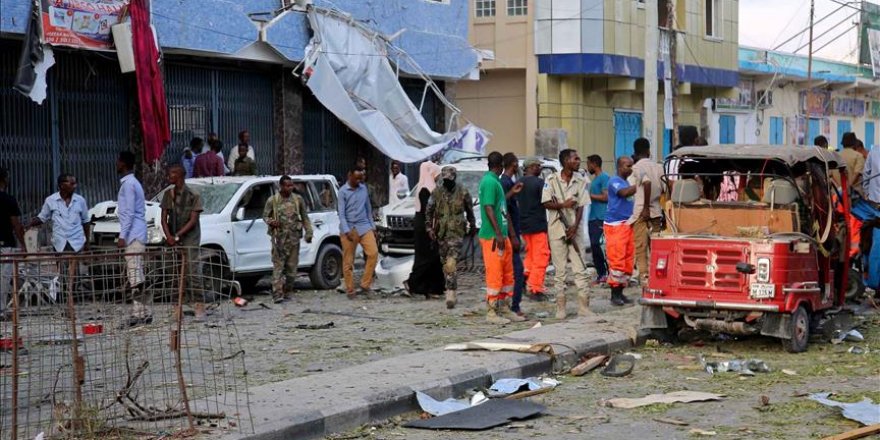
<point x="318" y="405"/>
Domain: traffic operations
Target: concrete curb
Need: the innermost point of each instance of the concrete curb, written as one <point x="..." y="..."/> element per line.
<point x="318" y="405"/>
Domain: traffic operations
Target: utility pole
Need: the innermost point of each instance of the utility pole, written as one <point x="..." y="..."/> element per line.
<point x="649" y="114"/>
<point x="809" y="95"/>
<point x="673" y="76"/>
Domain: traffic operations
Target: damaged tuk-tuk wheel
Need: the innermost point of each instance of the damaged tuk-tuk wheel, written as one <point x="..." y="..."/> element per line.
<point x="799" y="328"/>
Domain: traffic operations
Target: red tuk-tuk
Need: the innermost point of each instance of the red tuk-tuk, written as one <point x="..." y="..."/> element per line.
<point x="753" y="244"/>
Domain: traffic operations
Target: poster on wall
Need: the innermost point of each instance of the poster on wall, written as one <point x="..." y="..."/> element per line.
<point x="795" y="127"/>
<point x="83" y="24"/>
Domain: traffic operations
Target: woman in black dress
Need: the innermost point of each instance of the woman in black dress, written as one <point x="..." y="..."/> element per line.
<point x="426" y="277"/>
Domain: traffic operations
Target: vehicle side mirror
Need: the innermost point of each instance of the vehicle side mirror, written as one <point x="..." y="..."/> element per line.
<point x="239" y="214"/>
<point x="401" y="194"/>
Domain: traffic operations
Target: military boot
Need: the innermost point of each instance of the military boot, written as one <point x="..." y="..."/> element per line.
<point x="492" y="314"/>
<point x="450" y="299"/>
<point x="584" y="304"/>
<point x="504" y="311"/>
<point x="560" y="305"/>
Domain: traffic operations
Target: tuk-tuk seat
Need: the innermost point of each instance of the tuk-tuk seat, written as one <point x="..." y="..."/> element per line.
<point x="780" y="192"/>
<point x="686" y="191"/>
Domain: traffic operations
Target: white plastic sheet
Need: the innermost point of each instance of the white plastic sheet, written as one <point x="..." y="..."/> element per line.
<point x="349" y="72"/>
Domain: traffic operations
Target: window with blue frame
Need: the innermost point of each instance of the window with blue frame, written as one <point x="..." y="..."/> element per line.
<point x="777" y="131"/>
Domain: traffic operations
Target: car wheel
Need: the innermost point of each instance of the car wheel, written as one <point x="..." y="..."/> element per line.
<point x="326" y="272"/>
<point x="216" y="274"/>
<point x="855" y="285"/>
<point x="799" y="328"/>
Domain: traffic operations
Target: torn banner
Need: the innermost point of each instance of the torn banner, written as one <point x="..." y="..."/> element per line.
<point x="349" y="72"/>
<point x="36" y="59"/>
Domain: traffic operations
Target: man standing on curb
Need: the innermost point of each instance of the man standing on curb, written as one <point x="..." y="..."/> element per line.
<point x="565" y="195"/>
<point x="356" y="228"/>
<point x="11" y="231"/>
<point x="618" y="232"/>
<point x="647" y="217"/>
<point x="533" y="221"/>
<point x="599" y="198"/>
<point x="445" y="215"/>
<point x="511" y="166"/>
<point x="286" y="215"/>
<point x="497" y="241"/>
<point x="181" y="208"/>
<point x="131" y="210"/>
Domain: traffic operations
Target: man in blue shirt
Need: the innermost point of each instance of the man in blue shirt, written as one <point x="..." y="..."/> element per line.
<point x="188" y="160"/>
<point x="619" y="238"/>
<point x="356" y="228"/>
<point x="599" y="196"/>
<point x="69" y="215"/>
<point x="131" y="211"/>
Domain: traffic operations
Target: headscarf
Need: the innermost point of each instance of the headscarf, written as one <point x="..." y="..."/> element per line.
<point x="428" y="172"/>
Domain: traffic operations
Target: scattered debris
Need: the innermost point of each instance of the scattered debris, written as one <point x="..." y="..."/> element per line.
<point x="856" y="433"/>
<point x="501" y="346"/>
<point x="496" y="412"/>
<point x="542" y="315"/>
<point x="674" y="397"/>
<point x="315" y="326"/>
<point x="479" y="398"/>
<point x="855" y="349"/>
<point x="789" y="372"/>
<point x="588" y="365"/>
<point x="537" y="325"/>
<point x="350" y="315"/>
<point x="745" y="368"/>
<point x="635" y="356"/>
<point x="697" y="431"/>
<point x="506" y="387"/>
<point x="437" y="408"/>
<point x="671" y="421"/>
<point x="850" y="336"/>
<point x="613" y="369"/>
<point x="865" y="412"/>
<point x="764" y="400"/>
<point x="292" y="351"/>
<point x="239" y="301"/>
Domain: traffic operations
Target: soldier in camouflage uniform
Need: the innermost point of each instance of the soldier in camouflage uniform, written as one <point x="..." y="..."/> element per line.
<point x="285" y="214"/>
<point x="445" y="218"/>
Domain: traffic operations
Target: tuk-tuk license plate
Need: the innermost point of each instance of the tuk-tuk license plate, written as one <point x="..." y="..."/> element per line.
<point x="763" y="291"/>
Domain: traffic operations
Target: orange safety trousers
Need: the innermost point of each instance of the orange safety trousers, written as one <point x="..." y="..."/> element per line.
<point x="499" y="269"/>
<point x="536" y="261"/>
<point x="620" y="250"/>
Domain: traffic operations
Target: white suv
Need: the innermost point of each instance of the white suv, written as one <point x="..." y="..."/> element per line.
<point x="232" y="225"/>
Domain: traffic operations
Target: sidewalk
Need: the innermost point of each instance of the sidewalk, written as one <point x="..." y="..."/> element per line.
<point x="320" y="404"/>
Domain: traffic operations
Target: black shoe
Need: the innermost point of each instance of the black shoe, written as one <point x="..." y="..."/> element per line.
<point x="625" y="299"/>
<point x="278" y="299"/>
<point x="135" y="321"/>
<point x="617" y="297"/>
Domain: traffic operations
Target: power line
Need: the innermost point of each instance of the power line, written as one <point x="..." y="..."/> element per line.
<point x="801" y="32"/>
<point x="833" y="27"/>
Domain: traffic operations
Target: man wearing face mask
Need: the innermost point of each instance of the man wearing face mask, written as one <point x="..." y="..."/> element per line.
<point x="447" y="209"/>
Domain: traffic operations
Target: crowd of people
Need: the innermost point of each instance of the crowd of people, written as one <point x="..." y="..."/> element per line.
<point x="200" y="161"/>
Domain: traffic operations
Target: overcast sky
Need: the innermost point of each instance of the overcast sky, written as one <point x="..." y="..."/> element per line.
<point x="767" y="23"/>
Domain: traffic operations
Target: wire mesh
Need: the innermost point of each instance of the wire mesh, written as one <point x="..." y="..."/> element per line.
<point x="115" y="344"/>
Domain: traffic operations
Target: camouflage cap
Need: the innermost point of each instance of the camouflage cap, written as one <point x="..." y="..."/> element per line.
<point x="531" y="160"/>
<point x="447" y="173"/>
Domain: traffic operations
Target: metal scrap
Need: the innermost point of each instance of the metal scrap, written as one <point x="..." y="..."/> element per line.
<point x="865" y="412"/>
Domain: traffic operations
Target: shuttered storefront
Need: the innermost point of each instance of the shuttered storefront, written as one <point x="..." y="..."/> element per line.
<point x="79" y="129"/>
<point x="204" y="99"/>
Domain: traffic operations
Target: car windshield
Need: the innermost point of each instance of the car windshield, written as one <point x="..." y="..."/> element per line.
<point x="215" y="196"/>
<point x="471" y="181"/>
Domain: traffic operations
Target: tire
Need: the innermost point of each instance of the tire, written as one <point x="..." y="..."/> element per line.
<point x="799" y="328"/>
<point x="216" y="274"/>
<point x="855" y="286"/>
<point x="327" y="271"/>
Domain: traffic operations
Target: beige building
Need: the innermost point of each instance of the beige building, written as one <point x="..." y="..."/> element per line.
<point x="503" y="101"/>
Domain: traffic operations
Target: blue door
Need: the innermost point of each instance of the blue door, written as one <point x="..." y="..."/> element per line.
<point x="777" y="131"/>
<point x="727" y="134"/>
<point x="812" y="130"/>
<point x="843" y="126"/>
<point x="627" y="128"/>
<point x="869" y="135"/>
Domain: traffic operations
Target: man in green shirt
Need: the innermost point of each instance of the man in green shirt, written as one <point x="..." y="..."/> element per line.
<point x="498" y="242"/>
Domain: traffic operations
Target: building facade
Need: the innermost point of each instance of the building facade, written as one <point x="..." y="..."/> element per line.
<point x="591" y="57"/>
<point x="228" y="66"/>
<point x="504" y="100"/>
<point x="776" y="103"/>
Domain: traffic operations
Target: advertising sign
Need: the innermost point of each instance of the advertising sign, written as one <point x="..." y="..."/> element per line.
<point x="849" y="107"/>
<point x="83" y="24"/>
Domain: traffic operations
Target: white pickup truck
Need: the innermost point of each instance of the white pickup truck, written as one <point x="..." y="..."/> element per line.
<point x="232" y="225"/>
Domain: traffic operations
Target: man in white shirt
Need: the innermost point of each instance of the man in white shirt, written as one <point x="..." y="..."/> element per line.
<point x="397" y="182"/>
<point x="647" y="215"/>
<point x="244" y="138"/>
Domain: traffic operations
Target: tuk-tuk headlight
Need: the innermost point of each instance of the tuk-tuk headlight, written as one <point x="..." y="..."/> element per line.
<point x="763" y="270"/>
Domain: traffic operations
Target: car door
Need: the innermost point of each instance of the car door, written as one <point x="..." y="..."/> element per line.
<point x="320" y="195"/>
<point x="253" y="245"/>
